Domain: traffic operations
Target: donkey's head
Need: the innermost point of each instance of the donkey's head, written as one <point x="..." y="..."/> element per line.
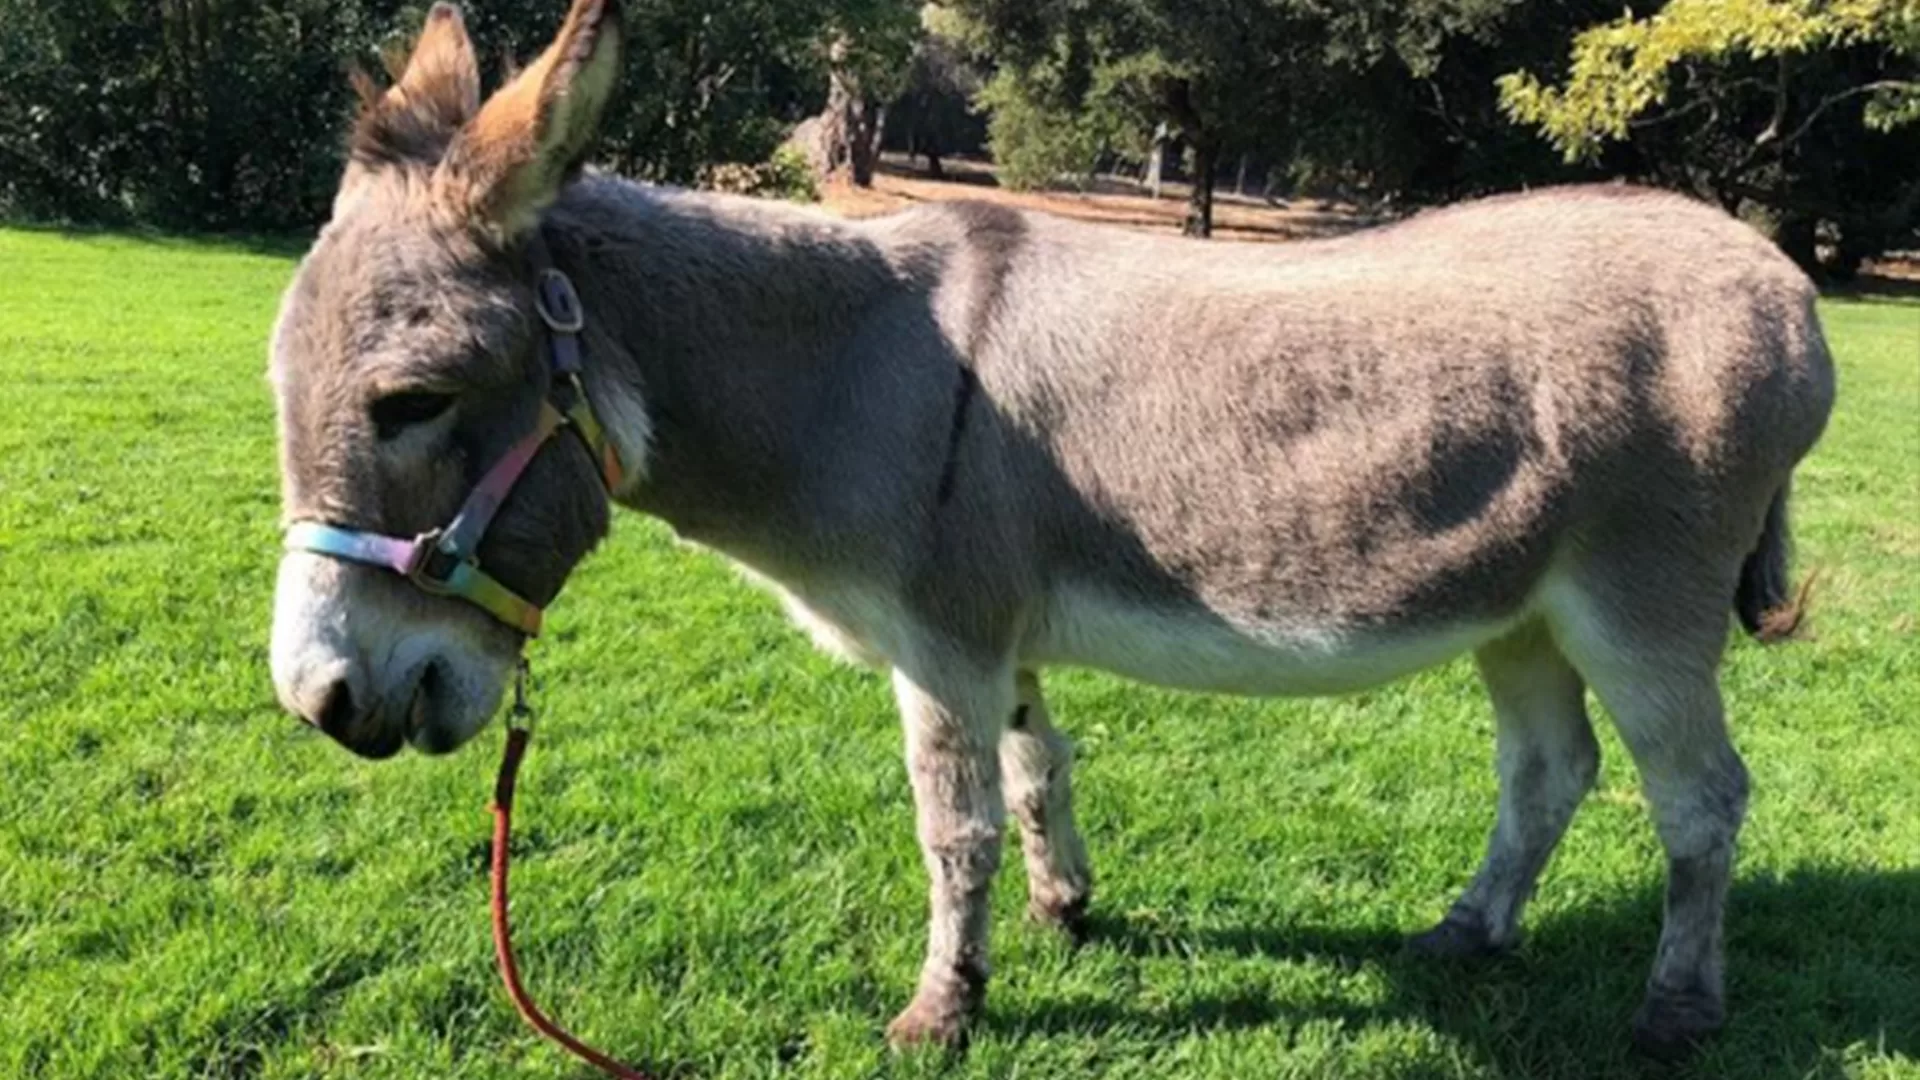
<point x="407" y="363"/>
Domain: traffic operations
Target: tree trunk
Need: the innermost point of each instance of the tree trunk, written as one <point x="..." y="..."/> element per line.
<point x="1240" y="180"/>
<point x="1156" y="164"/>
<point x="1200" y="202"/>
<point x="935" y="170"/>
<point x="854" y="123"/>
<point x="864" y="134"/>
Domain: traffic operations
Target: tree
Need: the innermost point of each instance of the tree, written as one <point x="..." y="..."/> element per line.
<point x="705" y="83"/>
<point x="181" y="112"/>
<point x="868" y="47"/>
<point x="1380" y="96"/>
<point x="229" y="114"/>
<point x="934" y="114"/>
<point x="1419" y="119"/>
<point x="1213" y="70"/>
<point x="1040" y="130"/>
<point x="1802" y="108"/>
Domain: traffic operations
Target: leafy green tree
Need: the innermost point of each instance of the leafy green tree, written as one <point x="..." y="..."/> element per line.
<point x="1210" y="69"/>
<point x="867" y="48"/>
<point x="1039" y="134"/>
<point x="180" y="112"/>
<point x="869" y="61"/>
<point x="935" y="114"/>
<point x="229" y="114"/>
<point x="1379" y="96"/>
<point x="1420" y="120"/>
<point x="1804" y="109"/>
<point x="706" y="84"/>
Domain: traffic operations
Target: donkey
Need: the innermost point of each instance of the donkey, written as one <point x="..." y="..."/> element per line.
<point x="966" y="444"/>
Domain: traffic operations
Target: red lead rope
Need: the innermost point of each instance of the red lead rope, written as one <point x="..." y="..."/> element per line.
<point x="502" y="808"/>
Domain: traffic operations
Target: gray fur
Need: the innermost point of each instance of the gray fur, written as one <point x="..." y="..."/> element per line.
<point x="969" y="443"/>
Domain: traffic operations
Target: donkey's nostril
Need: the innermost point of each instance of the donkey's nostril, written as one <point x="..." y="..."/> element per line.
<point x="336" y="711"/>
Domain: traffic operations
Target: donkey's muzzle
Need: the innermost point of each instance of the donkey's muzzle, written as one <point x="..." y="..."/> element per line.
<point x="344" y="716"/>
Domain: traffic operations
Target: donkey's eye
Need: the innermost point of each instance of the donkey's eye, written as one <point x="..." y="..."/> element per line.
<point x="397" y="412"/>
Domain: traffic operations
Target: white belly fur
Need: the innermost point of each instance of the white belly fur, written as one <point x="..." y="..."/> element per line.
<point x="1202" y="651"/>
<point x="1183" y="650"/>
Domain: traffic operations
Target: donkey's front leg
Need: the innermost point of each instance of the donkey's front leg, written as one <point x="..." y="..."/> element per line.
<point x="953" y="719"/>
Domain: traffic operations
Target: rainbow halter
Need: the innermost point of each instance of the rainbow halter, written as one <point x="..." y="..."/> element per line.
<point x="446" y="561"/>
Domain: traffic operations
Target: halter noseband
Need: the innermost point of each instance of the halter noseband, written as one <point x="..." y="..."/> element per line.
<point x="445" y="561"/>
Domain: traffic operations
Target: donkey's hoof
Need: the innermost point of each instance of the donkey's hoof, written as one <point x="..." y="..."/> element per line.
<point x="1067" y="917"/>
<point x="927" y="1024"/>
<point x="941" y="1012"/>
<point x="1459" y="936"/>
<point x="1671" y="1026"/>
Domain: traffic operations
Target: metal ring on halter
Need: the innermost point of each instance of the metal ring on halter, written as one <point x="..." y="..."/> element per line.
<point x="557" y="303"/>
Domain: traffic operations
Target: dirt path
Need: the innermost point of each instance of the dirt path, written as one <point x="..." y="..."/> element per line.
<point x="1116" y="203"/>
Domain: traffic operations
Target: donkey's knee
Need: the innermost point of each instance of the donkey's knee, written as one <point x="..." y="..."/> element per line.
<point x="1699" y="803"/>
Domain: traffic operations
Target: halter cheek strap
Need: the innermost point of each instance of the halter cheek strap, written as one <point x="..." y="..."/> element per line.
<point x="559" y="308"/>
<point x="446" y="561"/>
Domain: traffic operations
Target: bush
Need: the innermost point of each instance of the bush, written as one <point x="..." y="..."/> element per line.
<point x="1034" y="142"/>
<point x="785" y="175"/>
<point x="788" y="175"/>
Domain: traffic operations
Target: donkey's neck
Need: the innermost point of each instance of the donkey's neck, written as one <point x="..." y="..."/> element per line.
<point x="730" y="323"/>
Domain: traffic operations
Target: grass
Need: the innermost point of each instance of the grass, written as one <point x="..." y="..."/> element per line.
<point x="718" y="872"/>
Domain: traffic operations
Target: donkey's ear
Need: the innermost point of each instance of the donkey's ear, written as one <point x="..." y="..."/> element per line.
<point x="437" y="92"/>
<point x="529" y="139"/>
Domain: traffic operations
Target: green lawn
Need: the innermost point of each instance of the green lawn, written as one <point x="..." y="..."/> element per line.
<point x="719" y="875"/>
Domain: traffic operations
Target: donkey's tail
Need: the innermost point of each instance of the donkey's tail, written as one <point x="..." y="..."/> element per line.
<point x="1766" y="602"/>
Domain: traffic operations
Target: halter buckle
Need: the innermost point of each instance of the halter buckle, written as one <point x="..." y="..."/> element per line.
<point x="433" y="566"/>
<point x="557" y="303"/>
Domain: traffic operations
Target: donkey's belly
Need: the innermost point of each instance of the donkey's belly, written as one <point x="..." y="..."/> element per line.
<point x="1201" y="650"/>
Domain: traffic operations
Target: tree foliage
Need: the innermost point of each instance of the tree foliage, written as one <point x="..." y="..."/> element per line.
<point x="935" y="113"/>
<point x="1206" y="69"/>
<point x="1626" y="69"/>
<point x="1803" y="110"/>
<point x="1383" y="98"/>
<point x="229" y="113"/>
<point x="1041" y="132"/>
<point x="868" y="65"/>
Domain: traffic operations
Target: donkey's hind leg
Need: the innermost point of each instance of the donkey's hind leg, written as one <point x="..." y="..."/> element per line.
<point x="1547" y="758"/>
<point x="1036" y="763"/>
<point x="1653" y="663"/>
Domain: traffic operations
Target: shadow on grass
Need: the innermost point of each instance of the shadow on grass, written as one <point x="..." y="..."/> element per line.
<point x="1876" y="289"/>
<point x="1818" y="962"/>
